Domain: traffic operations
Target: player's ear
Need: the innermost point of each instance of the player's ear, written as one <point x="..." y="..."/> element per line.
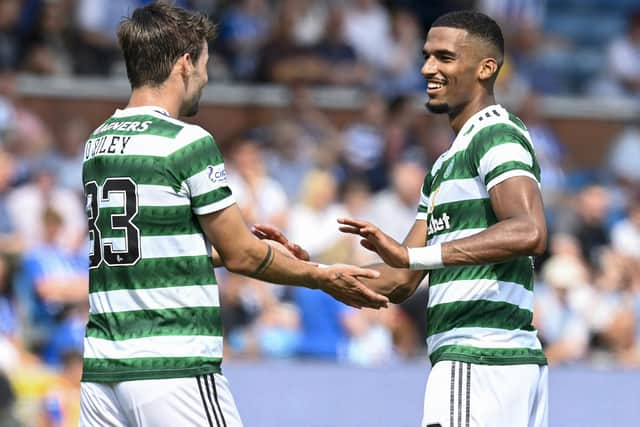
<point x="185" y="65"/>
<point x="487" y="69"/>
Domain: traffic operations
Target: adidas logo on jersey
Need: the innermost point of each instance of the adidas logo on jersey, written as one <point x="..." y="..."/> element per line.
<point x="439" y="224"/>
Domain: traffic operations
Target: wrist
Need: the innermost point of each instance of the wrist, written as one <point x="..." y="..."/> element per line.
<point x="425" y="258"/>
<point x="316" y="276"/>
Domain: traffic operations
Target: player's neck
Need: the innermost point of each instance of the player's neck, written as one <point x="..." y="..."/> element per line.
<point x="459" y="118"/>
<point x="157" y="97"/>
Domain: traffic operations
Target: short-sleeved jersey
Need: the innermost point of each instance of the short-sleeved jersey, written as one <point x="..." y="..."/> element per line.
<point x="154" y="304"/>
<point x="481" y="313"/>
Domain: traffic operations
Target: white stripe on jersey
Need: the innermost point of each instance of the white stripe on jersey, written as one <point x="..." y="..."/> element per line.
<point x="460" y="234"/>
<point x="160" y="195"/>
<point x="483" y="289"/>
<point x="456" y="190"/>
<point x="154" y="299"/>
<point x="155" y="346"/>
<point x="484" y="338"/>
<point x="206" y="181"/>
<point x="216" y="206"/>
<point x="164" y="246"/>
<point x="510" y="174"/>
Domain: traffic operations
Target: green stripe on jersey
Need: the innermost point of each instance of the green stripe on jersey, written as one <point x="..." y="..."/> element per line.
<point x="489" y="356"/>
<point x="141" y="169"/>
<point x="465" y="215"/>
<point x="137" y="125"/>
<point x="511" y="166"/>
<point x="153" y="273"/>
<point x="479" y="313"/>
<point x="126" y="325"/>
<point x="211" y="197"/>
<point x="195" y="158"/>
<point x="518" y="270"/>
<point x="143" y="368"/>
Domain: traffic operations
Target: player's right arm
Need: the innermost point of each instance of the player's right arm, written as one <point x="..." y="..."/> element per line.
<point x="397" y="284"/>
<point x="243" y="253"/>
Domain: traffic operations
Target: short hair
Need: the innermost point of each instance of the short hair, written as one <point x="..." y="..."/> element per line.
<point x="476" y="24"/>
<point x="155" y="36"/>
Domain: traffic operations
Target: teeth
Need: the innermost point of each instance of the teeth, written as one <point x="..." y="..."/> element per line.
<point x="433" y="85"/>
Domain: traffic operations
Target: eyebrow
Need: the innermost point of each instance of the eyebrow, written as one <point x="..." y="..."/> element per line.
<point x="438" y="52"/>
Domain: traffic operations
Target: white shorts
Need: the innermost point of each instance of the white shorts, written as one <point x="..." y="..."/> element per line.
<point x="196" y="401"/>
<point x="462" y="394"/>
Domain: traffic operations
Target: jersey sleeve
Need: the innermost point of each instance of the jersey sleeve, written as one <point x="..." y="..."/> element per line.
<point x="501" y="152"/>
<point x="425" y="193"/>
<point x="198" y="168"/>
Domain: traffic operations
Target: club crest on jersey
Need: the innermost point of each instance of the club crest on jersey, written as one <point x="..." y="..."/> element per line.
<point x="448" y="171"/>
<point x="217" y="174"/>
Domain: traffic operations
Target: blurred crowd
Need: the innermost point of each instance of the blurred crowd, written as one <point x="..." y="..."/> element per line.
<point x="553" y="46"/>
<point x="301" y="172"/>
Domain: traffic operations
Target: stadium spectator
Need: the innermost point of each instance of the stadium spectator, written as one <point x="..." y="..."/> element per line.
<point x="310" y="21"/>
<point x="365" y="145"/>
<point x="283" y="59"/>
<point x="257" y="194"/>
<point x="9" y="335"/>
<point x="367" y="28"/>
<point x="10" y="42"/>
<point x="61" y="404"/>
<point x="402" y="133"/>
<point x="52" y="279"/>
<point x="340" y="59"/>
<point x="289" y="156"/>
<point x="400" y="73"/>
<point x="66" y="154"/>
<point x="563" y="329"/>
<point x="549" y="150"/>
<point x="49" y="45"/>
<point x="315" y="126"/>
<point x="623" y="156"/>
<point x="625" y="235"/>
<point x="27" y="204"/>
<point x="97" y="21"/>
<point x="244" y="30"/>
<point x="587" y="221"/>
<point x="623" y="56"/>
<point x="394" y="208"/>
<point x="317" y="209"/>
<point x="323" y="333"/>
<point x="11" y="242"/>
<point x="513" y="14"/>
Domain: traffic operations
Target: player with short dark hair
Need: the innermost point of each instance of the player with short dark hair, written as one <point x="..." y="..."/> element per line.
<point x="482" y="218"/>
<point x="157" y="198"/>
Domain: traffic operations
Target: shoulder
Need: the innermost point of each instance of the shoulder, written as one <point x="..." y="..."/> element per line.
<point x="511" y="130"/>
<point x="192" y="136"/>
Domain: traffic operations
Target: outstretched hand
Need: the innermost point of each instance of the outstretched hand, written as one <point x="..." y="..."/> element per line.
<point x="271" y="233"/>
<point x="342" y="282"/>
<point x="373" y="239"/>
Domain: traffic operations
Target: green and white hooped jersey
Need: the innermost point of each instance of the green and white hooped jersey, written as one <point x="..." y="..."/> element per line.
<point x="479" y="314"/>
<point x="154" y="304"/>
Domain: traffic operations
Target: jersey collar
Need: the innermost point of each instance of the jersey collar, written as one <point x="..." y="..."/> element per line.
<point x="146" y="109"/>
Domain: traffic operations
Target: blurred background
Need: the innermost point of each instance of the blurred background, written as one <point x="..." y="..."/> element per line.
<point x="318" y="108"/>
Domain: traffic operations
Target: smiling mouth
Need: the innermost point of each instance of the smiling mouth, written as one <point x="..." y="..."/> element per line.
<point x="434" y="86"/>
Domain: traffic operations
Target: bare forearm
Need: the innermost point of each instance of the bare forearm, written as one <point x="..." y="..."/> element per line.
<point x="261" y="262"/>
<point x="503" y="241"/>
<point x="395" y="283"/>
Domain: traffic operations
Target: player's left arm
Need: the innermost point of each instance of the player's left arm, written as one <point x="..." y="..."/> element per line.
<point x="521" y="228"/>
